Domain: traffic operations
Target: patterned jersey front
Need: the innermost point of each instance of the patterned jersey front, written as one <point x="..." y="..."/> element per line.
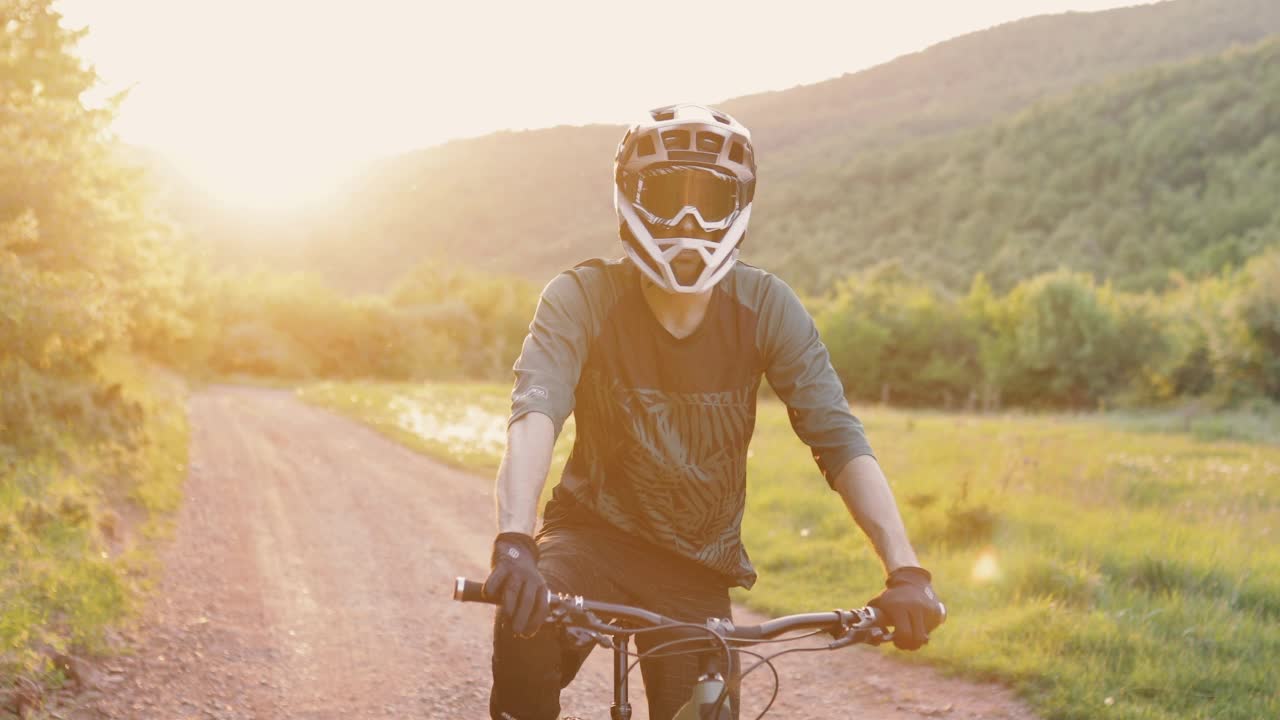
<point x="663" y="423"/>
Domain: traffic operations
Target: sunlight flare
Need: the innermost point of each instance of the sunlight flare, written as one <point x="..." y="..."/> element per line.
<point x="986" y="568"/>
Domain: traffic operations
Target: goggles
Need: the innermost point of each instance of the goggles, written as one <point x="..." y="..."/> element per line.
<point x="665" y="195"/>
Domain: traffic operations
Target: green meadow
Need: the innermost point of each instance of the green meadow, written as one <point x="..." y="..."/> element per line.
<point x="1101" y="571"/>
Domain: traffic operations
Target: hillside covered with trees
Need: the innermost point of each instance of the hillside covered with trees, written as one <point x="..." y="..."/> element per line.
<point x="534" y="202"/>
<point x="969" y="80"/>
<point x="1169" y="169"/>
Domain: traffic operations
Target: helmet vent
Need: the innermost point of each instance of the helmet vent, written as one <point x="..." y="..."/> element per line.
<point x="710" y="142"/>
<point x="675" y="140"/>
<point x="735" y="153"/>
<point x="664" y="115"/>
<point x="689" y="156"/>
<point x="720" y="118"/>
<point x="645" y="146"/>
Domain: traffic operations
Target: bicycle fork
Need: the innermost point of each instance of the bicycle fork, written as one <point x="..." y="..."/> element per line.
<point x="621" y="708"/>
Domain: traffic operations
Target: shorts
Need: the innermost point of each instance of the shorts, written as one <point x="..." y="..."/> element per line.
<point x="602" y="564"/>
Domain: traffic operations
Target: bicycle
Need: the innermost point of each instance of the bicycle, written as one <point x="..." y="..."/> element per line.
<point x="709" y="699"/>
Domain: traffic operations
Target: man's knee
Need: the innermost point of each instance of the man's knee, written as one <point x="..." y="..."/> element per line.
<point x="526" y="674"/>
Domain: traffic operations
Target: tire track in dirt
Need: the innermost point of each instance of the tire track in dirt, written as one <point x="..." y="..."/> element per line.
<point x="309" y="578"/>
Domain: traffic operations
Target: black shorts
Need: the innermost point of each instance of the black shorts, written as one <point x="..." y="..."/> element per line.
<point x="601" y="564"/>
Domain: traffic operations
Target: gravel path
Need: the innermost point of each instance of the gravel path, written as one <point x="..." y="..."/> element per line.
<point x="310" y="577"/>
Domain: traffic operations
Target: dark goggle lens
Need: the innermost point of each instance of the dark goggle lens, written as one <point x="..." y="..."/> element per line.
<point x="666" y="192"/>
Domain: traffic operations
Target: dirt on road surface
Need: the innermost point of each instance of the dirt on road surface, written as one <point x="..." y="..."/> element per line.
<point x="309" y="578"/>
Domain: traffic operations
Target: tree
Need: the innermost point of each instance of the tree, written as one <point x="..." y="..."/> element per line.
<point x="78" y="243"/>
<point x="1067" y="342"/>
<point x="1258" y="310"/>
<point x="889" y="335"/>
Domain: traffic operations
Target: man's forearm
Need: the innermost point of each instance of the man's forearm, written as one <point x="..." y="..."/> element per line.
<point x="862" y="485"/>
<point x="523" y="472"/>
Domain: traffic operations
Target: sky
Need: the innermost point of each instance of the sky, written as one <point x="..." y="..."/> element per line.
<point x="270" y="102"/>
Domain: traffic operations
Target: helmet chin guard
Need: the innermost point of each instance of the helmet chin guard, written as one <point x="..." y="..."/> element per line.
<point x="653" y="256"/>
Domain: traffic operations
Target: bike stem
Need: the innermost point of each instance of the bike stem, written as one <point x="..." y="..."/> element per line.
<point x="621" y="709"/>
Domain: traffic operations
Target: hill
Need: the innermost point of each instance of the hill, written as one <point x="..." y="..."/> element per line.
<point x="971" y="79"/>
<point x="533" y="202"/>
<point x="1174" y="168"/>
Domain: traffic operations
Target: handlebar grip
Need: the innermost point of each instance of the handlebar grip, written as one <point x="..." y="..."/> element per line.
<point x="465" y="590"/>
<point x="878" y="617"/>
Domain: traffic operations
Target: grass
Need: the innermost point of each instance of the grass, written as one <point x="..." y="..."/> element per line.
<point x="1101" y="571"/>
<point x="1257" y="422"/>
<point x="72" y="517"/>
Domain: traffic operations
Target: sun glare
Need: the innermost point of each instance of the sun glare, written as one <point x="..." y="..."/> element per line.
<point x="986" y="568"/>
<point x="261" y="178"/>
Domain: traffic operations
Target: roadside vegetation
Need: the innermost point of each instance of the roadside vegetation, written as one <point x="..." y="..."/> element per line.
<point x="1102" y="572"/>
<point x="93" y="436"/>
<point x="78" y="517"/>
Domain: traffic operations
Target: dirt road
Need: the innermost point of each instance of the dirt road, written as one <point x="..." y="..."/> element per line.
<point x="309" y="578"/>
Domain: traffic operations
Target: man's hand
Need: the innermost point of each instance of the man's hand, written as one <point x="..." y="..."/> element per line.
<point x="516" y="583"/>
<point x="910" y="606"/>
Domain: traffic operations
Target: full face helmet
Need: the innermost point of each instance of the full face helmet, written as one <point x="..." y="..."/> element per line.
<point x="684" y="161"/>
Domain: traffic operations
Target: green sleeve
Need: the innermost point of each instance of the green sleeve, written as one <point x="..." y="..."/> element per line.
<point x="554" y="351"/>
<point x="799" y="370"/>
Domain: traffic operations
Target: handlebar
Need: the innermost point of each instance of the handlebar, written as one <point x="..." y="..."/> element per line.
<point x="862" y="625"/>
<point x="465" y="590"/>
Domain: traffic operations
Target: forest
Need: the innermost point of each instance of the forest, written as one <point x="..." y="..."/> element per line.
<point x="1164" y="171"/>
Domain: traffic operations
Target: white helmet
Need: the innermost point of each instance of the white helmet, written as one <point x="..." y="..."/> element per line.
<point x="684" y="160"/>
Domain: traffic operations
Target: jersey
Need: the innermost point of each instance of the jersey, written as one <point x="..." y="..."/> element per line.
<point x="663" y="423"/>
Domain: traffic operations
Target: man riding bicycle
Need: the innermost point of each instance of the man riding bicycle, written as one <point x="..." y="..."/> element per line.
<point x="659" y="357"/>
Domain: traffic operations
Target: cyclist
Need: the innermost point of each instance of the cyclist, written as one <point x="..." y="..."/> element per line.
<point x="659" y="356"/>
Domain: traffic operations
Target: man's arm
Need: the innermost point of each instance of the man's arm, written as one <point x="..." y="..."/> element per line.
<point x="523" y="472"/>
<point x="908" y="601"/>
<point x="546" y="375"/>
<point x="862" y="485"/>
<point x="799" y="369"/>
<point x="515" y="581"/>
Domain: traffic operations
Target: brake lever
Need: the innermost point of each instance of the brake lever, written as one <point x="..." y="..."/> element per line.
<point x="868" y="636"/>
<point x="861" y="626"/>
<point x="879" y="636"/>
<point x="583" y="637"/>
